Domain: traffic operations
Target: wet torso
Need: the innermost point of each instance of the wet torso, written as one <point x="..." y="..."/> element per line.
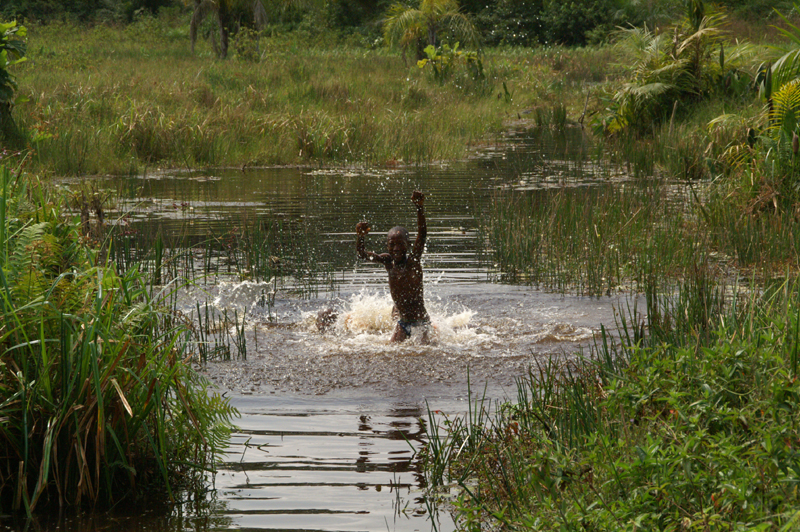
<point x="405" y="285"/>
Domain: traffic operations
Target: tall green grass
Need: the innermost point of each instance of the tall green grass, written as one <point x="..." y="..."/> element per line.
<point x="105" y="103"/>
<point x="97" y="393"/>
<point x="592" y="239"/>
<point x="604" y="238"/>
<point x="660" y="430"/>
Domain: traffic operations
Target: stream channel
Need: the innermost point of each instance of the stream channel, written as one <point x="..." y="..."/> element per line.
<point x="330" y="421"/>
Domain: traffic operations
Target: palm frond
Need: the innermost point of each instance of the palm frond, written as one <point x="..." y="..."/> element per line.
<point x="786" y="108"/>
<point x="737" y="156"/>
<point x="643" y="93"/>
<point x="793" y="33"/>
<point x="401" y="23"/>
<point x="785" y="69"/>
<point x="462" y="27"/>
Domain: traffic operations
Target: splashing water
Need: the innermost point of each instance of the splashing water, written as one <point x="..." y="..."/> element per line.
<point x="366" y="319"/>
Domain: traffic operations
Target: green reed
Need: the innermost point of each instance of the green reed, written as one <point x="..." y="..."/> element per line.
<point x="97" y="394"/>
<point x="657" y="429"/>
<point x="220" y="336"/>
<point x="593" y="239"/>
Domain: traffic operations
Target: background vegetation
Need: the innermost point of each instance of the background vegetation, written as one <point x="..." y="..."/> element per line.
<point x="688" y="421"/>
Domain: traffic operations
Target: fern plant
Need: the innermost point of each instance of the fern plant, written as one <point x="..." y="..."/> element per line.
<point x="96" y="398"/>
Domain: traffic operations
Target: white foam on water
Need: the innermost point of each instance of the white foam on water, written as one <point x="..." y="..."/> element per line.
<point x="365" y="319"/>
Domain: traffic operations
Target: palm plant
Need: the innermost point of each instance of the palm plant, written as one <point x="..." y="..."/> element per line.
<point x="786" y="66"/>
<point x="417" y="27"/>
<point x="684" y="65"/>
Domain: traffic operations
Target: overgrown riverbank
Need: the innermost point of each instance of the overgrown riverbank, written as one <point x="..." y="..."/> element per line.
<point x="690" y="422"/>
<point x="121" y="100"/>
<point x="98" y="398"/>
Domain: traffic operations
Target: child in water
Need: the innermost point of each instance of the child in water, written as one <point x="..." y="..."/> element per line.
<point x="405" y="273"/>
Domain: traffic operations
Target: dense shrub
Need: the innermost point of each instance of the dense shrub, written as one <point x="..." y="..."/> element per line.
<point x="513" y="22"/>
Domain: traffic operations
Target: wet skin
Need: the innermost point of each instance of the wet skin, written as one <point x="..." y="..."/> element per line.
<point x="404" y="269"/>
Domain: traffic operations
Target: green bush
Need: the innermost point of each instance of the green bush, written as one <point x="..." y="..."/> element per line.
<point x="98" y="398"/>
<point x="512" y="22"/>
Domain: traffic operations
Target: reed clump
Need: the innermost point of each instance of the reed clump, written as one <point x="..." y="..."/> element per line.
<point x="594" y="239"/>
<point x="97" y="393"/>
<point x="662" y="429"/>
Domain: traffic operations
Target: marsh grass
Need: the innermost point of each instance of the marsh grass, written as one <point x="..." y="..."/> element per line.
<point x="590" y="239"/>
<point x="111" y="103"/>
<point x="657" y="430"/>
<point x="109" y="100"/>
<point x="99" y="400"/>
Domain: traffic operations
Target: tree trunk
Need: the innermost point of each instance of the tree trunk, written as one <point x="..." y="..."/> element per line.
<point x="8" y="128"/>
<point x="224" y="28"/>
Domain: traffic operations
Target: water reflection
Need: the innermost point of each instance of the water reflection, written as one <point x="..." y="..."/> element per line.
<point x="325" y="465"/>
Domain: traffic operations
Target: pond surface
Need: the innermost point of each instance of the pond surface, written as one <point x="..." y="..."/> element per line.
<point x="331" y="420"/>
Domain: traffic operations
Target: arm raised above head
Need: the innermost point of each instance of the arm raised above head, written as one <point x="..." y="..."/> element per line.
<point x="362" y="228"/>
<point x="422" y="225"/>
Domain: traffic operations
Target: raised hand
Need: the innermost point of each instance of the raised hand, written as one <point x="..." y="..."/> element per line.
<point x="418" y="198"/>
<point x="362" y="228"/>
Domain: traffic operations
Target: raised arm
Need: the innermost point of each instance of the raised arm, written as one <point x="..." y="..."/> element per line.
<point x="422" y="226"/>
<point x="362" y="228"/>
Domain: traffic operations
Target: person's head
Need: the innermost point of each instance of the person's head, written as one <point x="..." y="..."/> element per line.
<point x="397" y="242"/>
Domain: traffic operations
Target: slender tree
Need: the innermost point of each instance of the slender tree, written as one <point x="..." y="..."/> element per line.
<point x="223" y="11"/>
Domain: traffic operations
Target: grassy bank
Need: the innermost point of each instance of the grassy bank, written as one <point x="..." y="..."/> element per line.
<point x="97" y="394"/>
<point x="118" y="100"/>
<point x="122" y="99"/>
<point x="689" y="426"/>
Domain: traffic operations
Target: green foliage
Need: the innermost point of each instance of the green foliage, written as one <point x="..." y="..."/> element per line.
<point x="763" y="162"/>
<point x="786" y="66"/>
<point x="354" y="13"/>
<point x="411" y="28"/>
<point x="97" y="395"/>
<point x="511" y="22"/>
<point x="82" y="10"/>
<point x="672" y="71"/>
<point x="444" y="60"/>
<point x="649" y="434"/>
<point x="570" y="23"/>
<point x="12" y="52"/>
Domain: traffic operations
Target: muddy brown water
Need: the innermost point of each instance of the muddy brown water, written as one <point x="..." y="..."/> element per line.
<point x="330" y="422"/>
